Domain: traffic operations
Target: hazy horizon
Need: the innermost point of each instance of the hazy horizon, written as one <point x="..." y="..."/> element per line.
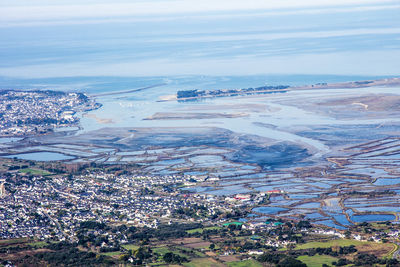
<point x="162" y="38"/>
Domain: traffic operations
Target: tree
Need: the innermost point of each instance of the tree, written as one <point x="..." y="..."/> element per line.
<point x="347" y="234"/>
<point x="170" y="257"/>
<point x="290" y="262"/>
<point x="392" y="262"/>
<point x="304" y="224"/>
<point x="342" y="262"/>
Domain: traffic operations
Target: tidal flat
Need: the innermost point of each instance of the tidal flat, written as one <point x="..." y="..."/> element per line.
<point x="328" y="152"/>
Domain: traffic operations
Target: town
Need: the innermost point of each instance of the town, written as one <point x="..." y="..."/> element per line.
<point x="125" y="217"/>
<point x="34" y="112"/>
<point x="197" y="94"/>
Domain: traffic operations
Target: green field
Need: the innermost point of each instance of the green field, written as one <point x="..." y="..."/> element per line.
<point x="378" y="249"/>
<point x="337" y="242"/>
<point x="39" y="244"/>
<point x="130" y="247"/>
<point x="13" y="241"/>
<point x="34" y="171"/>
<point x="246" y="263"/>
<point x="317" y="260"/>
<point x="203" y="262"/>
<point x="111" y="254"/>
<point x="187" y="250"/>
<point x="201" y="230"/>
<point x="161" y="250"/>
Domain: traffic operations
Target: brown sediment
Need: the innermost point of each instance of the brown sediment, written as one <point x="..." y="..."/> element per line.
<point x="371" y="102"/>
<point x="190" y="116"/>
<point x="339" y="161"/>
<point x="168" y="98"/>
<point x="98" y="120"/>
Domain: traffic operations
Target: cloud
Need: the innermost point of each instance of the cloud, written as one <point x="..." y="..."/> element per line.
<point x="43" y="21"/>
<point x="93" y="10"/>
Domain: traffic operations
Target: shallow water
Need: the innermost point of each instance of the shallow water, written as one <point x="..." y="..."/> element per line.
<point x="222" y="155"/>
<point x="372" y="217"/>
<point x="41" y="156"/>
<point x="4" y="140"/>
<point x="170" y="162"/>
<point x="269" y="210"/>
<point x="229" y="191"/>
<point x="330" y="224"/>
<point x="387" y="181"/>
<point x="340" y="218"/>
<point x="378" y="209"/>
<point x="311" y="205"/>
<point x="314" y="215"/>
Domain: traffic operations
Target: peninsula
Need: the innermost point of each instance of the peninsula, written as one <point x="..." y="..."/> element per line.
<point x="39" y="112"/>
<point x="187" y="95"/>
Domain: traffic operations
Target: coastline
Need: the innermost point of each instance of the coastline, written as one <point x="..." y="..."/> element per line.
<point x="395" y="81"/>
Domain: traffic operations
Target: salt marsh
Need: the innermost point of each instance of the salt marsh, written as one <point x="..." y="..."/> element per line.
<point x="300" y="143"/>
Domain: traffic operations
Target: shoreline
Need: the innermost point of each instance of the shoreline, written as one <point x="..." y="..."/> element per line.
<point x="395" y="81"/>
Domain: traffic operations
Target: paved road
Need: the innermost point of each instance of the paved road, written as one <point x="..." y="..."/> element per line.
<point x="129" y="91"/>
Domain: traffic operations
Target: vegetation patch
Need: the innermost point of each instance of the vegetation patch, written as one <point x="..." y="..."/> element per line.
<point x="246" y="263"/>
<point x="332" y="243"/>
<point x="35" y="172"/>
<point x="204" y="262"/>
<point x="130" y="247"/>
<point x="13" y="241"/>
<point x="112" y="253"/>
<point x="378" y="249"/>
<point x="39" y="244"/>
<point x="374" y="248"/>
<point x="317" y="260"/>
<point x="201" y="230"/>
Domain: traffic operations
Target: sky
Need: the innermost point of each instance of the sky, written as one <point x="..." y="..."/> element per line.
<point x="58" y="38"/>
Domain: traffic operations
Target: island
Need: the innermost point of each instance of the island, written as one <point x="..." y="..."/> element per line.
<point x="195" y="94"/>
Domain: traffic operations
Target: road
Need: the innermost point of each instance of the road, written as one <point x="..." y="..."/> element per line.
<point x="129" y="91"/>
<point x="396" y="254"/>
